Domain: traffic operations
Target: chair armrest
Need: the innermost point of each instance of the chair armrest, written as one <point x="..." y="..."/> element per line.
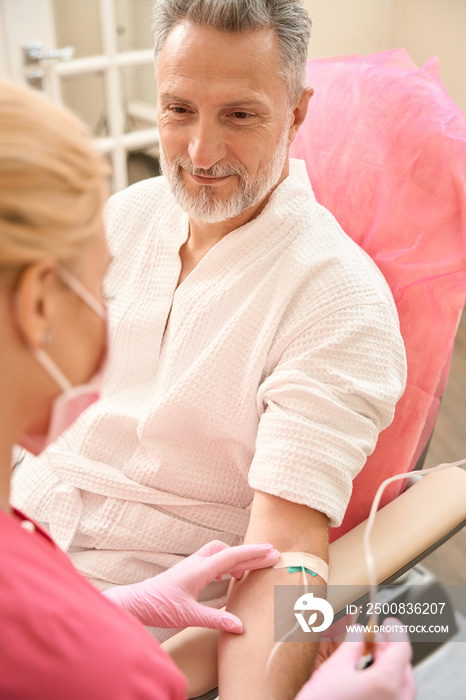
<point x="405" y="531"/>
<point x="194" y="651"/>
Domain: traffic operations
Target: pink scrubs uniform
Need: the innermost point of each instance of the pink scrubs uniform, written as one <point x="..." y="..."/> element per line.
<point x="60" y="638"/>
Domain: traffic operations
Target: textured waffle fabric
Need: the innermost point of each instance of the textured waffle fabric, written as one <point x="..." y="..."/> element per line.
<point x="273" y="366"/>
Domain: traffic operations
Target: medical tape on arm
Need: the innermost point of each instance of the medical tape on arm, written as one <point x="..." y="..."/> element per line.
<point x="296" y="561"/>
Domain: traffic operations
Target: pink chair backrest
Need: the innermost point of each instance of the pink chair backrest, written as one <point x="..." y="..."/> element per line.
<point x="385" y="149"/>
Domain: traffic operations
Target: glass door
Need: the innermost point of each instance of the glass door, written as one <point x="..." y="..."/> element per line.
<point x="95" y="57"/>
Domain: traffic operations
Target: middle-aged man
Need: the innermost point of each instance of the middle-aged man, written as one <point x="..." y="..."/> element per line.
<point x="256" y="351"/>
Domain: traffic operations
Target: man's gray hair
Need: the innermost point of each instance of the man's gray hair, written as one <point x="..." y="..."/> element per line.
<point x="288" y="19"/>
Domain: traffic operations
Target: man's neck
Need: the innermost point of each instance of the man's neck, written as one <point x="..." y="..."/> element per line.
<point x="202" y="237"/>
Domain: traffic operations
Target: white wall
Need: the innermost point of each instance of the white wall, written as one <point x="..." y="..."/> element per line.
<point x="435" y="28"/>
<point x="342" y="27"/>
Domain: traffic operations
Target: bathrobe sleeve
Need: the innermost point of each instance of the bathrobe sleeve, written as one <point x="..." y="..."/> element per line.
<point x="332" y="390"/>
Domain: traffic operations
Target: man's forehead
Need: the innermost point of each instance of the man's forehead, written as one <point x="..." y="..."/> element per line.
<point x="194" y="53"/>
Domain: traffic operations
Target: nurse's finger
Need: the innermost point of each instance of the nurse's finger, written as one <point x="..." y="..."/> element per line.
<point x="408" y="686"/>
<point x="394" y="659"/>
<point x="238" y="559"/>
<point x="263" y="562"/>
<point x="212" y="548"/>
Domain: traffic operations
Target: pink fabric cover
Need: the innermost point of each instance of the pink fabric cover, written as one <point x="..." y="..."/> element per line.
<point x="385" y="148"/>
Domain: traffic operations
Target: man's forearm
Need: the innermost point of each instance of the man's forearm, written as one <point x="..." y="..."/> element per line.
<point x="243" y="659"/>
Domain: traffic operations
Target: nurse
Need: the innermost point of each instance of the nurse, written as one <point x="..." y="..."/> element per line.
<point x="60" y="637"/>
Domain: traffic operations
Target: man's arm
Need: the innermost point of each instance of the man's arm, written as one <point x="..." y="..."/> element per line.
<point x="243" y="658"/>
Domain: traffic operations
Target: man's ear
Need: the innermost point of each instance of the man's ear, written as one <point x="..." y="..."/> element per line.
<point x="299" y="113"/>
<point x="34" y="302"/>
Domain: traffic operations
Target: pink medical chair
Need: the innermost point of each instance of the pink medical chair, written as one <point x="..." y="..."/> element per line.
<point x="385" y="149"/>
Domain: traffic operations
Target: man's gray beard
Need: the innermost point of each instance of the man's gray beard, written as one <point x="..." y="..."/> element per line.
<point x="205" y="206"/>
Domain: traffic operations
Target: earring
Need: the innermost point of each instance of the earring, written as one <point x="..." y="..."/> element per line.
<point x="47" y="339"/>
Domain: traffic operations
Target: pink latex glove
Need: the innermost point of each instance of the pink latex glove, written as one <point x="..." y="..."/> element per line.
<point x="389" y="678"/>
<point x="170" y="599"/>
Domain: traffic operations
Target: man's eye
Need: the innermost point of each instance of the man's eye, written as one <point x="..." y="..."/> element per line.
<point x="241" y="115"/>
<point x="178" y="110"/>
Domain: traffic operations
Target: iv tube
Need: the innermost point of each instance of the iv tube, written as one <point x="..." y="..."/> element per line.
<point x="370" y="524"/>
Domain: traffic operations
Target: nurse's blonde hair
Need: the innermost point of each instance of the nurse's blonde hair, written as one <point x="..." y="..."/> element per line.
<point x="52" y="181"/>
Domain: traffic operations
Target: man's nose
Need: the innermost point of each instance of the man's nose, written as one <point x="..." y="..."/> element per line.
<point x="207" y="145"/>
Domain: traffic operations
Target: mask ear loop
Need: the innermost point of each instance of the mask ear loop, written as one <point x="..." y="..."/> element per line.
<point x="78" y="288"/>
<point x="372" y="574"/>
<point x="52" y="369"/>
<point x="277" y="644"/>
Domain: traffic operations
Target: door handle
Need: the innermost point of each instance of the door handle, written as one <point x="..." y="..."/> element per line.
<point x="34" y="53"/>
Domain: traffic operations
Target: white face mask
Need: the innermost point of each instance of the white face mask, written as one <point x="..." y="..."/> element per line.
<point x="74" y="399"/>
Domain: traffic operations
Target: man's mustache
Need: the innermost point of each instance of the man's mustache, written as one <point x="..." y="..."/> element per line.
<point x="217" y="170"/>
